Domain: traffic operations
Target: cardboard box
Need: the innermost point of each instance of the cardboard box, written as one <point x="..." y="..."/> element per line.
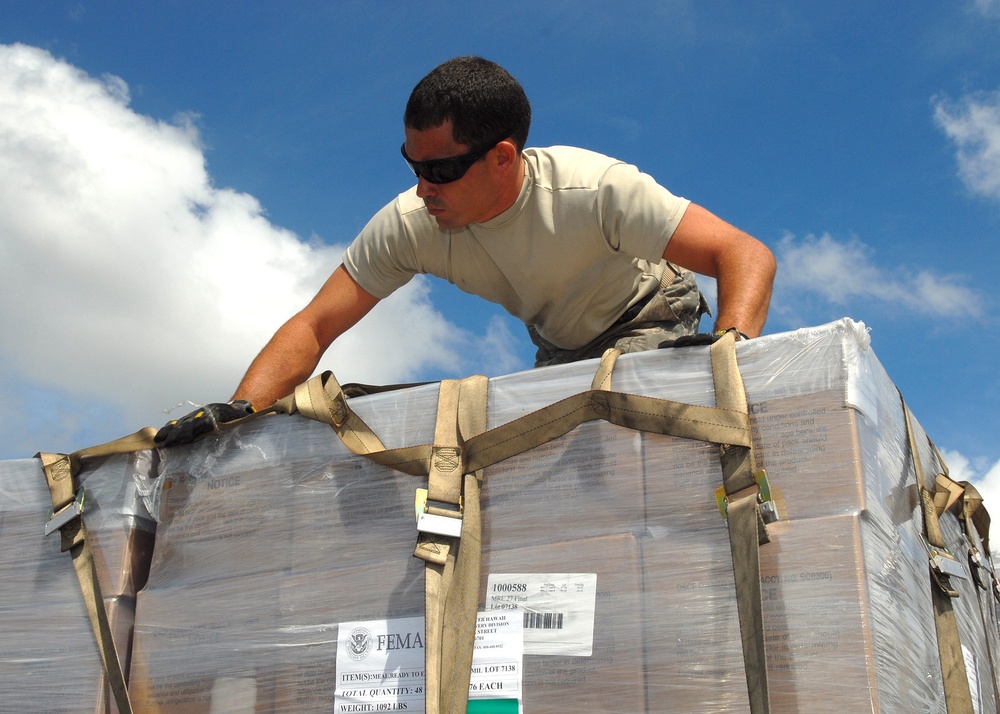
<point x="311" y="515"/>
<point x="827" y="643"/>
<point x="198" y="644"/>
<point x="585" y="484"/>
<point x="279" y="631"/>
<point x="121" y="619"/>
<point x="212" y="524"/>
<point x="611" y="677"/>
<point x="313" y="605"/>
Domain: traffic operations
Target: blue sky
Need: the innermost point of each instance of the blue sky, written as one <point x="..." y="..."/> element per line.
<point x="177" y="178"/>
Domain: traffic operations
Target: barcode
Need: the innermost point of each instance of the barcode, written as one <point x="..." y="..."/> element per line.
<point x="543" y="620"/>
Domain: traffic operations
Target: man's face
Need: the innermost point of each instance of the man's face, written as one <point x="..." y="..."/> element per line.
<point x="474" y="198"/>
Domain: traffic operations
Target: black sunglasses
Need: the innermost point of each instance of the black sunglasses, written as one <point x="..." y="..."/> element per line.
<point x="452" y="168"/>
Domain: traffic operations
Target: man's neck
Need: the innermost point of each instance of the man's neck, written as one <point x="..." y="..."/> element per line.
<point x="512" y="190"/>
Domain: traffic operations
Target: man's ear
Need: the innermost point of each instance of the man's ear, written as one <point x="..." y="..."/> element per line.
<point x="506" y="154"/>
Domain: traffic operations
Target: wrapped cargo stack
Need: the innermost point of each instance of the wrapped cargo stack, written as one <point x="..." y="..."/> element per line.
<point x="282" y="577"/>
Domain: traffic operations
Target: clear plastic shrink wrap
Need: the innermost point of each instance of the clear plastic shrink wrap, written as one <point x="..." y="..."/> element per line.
<point x="49" y="659"/>
<point x="283" y="563"/>
<point x="273" y="535"/>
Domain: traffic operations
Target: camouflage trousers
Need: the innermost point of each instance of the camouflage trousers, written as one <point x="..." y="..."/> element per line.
<point x="672" y="311"/>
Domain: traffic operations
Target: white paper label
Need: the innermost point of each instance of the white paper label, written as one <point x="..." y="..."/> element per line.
<point x="972" y="672"/>
<point x="380" y="663"/>
<point x="497" y="657"/>
<point x="557" y="609"/>
<point x="380" y="666"/>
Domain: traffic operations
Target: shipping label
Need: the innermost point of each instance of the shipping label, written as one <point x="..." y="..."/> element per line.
<point x="557" y="609"/>
<point x="380" y="663"/>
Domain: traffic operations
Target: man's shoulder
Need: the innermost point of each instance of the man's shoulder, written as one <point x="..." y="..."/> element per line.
<point x="568" y="166"/>
<point x="570" y="155"/>
<point x="401" y="219"/>
<point x="408" y="202"/>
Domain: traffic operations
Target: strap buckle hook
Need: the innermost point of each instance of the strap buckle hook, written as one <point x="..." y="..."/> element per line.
<point x="440" y="519"/>
<point x="67" y="514"/>
<point x="768" y="508"/>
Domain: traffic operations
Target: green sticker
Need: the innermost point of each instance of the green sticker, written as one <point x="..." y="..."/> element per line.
<point x="492" y="706"/>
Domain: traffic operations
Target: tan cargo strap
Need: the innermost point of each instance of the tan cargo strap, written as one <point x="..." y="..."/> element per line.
<point x="975" y="521"/>
<point x="322" y="399"/>
<point x="452" y="564"/>
<point x="958" y="695"/>
<point x="974" y="517"/>
<point x="356" y="389"/>
<point x="470" y="451"/>
<point x="747" y="530"/>
<point x="602" y="378"/>
<point x="727" y="424"/>
<point x="68" y="502"/>
<point x="660" y="416"/>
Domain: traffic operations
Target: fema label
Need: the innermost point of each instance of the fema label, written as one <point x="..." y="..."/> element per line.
<point x="380" y="665"/>
<point x="359" y="643"/>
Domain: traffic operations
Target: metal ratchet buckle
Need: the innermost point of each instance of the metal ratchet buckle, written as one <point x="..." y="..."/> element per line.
<point x="768" y="508"/>
<point x="982" y="573"/>
<point x="944" y="563"/>
<point x="66" y="514"/>
<point x="436" y="523"/>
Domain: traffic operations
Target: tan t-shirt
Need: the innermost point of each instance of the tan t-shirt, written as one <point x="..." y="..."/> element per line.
<point x="583" y="242"/>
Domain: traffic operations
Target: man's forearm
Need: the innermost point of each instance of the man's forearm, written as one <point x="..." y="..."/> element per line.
<point x="742" y="266"/>
<point x="744" y="290"/>
<point x="289" y="359"/>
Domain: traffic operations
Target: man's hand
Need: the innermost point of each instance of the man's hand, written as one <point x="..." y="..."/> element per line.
<point x="202" y="420"/>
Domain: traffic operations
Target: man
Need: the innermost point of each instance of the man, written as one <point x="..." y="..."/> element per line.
<point x="586" y="250"/>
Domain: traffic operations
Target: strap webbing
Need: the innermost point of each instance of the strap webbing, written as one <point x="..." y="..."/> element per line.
<point x="958" y="696"/>
<point x="972" y="506"/>
<point x="602" y="378"/>
<point x="747" y="530"/>
<point x="452" y="569"/>
<point x="60" y="475"/>
<point x="974" y="520"/>
<point x="448" y="575"/>
<point x="975" y="515"/>
<point x="660" y="416"/>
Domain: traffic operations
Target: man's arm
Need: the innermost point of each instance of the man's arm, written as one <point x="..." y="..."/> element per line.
<point x="291" y="356"/>
<point x="742" y="266"/>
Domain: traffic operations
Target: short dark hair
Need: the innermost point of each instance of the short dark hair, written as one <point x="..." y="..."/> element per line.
<point x="480" y="97"/>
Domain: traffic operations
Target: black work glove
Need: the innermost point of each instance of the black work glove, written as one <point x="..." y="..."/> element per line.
<point x="701" y="338"/>
<point x="202" y="420"/>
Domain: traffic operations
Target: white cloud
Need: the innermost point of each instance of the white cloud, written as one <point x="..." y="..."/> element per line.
<point x="973" y="124"/>
<point x="843" y="272"/>
<point x="129" y="280"/>
<point x="988" y="8"/>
